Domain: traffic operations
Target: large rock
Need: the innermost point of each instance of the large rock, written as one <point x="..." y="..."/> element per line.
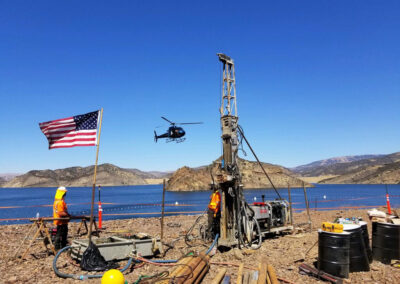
<point x="192" y="179"/>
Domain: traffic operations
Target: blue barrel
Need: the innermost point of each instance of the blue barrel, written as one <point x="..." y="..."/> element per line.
<point x="334" y="253"/>
<point x="358" y="252"/>
<point x="385" y="242"/>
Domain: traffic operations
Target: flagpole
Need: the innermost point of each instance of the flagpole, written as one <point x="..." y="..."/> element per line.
<point x="94" y="178"/>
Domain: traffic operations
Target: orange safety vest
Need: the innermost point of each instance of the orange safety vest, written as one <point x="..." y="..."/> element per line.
<point x="59" y="206"/>
<point x="215" y="202"/>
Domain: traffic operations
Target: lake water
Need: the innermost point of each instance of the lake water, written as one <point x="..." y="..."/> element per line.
<point x="120" y="202"/>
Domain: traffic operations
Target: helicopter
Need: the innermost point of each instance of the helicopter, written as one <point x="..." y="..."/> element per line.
<point x="174" y="133"/>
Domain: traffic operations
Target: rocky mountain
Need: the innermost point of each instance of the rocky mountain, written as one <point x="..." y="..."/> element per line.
<point x="151" y="174"/>
<point x="373" y="174"/>
<point x="326" y="167"/>
<point x="372" y="170"/>
<point x="191" y="179"/>
<point x="107" y="174"/>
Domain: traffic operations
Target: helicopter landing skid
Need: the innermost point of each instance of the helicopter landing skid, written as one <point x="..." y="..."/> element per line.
<point x="177" y="140"/>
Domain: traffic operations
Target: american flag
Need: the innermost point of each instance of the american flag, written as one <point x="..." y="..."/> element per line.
<point x="79" y="130"/>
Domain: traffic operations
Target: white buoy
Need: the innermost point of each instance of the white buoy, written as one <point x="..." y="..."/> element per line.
<point x="176" y="203"/>
<point x="324" y="196"/>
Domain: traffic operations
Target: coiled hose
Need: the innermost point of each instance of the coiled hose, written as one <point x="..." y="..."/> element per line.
<point x="83" y="277"/>
<point x="80" y="277"/>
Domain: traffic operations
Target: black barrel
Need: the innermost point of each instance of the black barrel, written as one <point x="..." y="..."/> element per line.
<point x="364" y="228"/>
<point x="385" y="242"/>
<point x="334" y="253"/>
<point x="358" y="253"/>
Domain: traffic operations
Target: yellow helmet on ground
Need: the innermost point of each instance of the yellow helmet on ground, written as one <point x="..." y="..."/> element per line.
<point x="113" y="276"/>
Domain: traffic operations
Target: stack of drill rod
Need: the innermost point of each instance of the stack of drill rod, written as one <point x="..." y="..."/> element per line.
<point x="189" y="270"/>
<point x="265" y="274"/>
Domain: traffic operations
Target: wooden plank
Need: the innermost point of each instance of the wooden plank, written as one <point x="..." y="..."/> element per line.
<point x="218" y="278"/>
<point x="262" y="272"/>
<point x="240" y="274"/>
<point x="33" y="239"/>
<point x="272" y="274"/>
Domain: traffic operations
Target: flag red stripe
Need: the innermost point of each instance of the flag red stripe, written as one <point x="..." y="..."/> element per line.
<point x="60" y="132"/>
<point x="61" y="125"/>
<point x="54" y="141"/>
<point x="70" y="134"/>
<point x="69" y="146"/>
<point x="92" y="133"/>
<point x="52" y="121"/>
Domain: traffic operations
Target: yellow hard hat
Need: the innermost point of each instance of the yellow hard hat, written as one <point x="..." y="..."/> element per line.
<point x="61" y="191"/>
<point x="113" y="276"/>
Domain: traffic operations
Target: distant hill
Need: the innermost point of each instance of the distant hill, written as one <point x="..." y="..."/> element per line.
<point x="107" y="174"/>
<point x="325" y="167"/>
<point x="5" y="177"/>
<point x="374" y="170"/>
<point x="192" y="179"/>
<point x="374" y="174"/>
<point x="151" y="174"/>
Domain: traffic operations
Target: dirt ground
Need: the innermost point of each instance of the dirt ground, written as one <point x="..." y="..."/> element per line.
<point x="284" y="252"/>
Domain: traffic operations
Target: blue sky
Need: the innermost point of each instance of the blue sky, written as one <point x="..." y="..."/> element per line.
<point x="315" y="79"/>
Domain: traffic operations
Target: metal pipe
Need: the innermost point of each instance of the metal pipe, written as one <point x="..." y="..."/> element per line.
<point x="290" y="205"/>
<point x="162" y="211"/>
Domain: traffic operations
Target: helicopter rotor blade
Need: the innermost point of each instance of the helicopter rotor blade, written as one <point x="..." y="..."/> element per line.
<point x="189" y="123"/>
<point x="168" y="120"/>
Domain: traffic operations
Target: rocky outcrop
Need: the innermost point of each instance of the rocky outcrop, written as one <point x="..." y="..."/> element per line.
<point x="375" y="174"/>
<point x="190" y="179"/>
<point x="107" y="175"/>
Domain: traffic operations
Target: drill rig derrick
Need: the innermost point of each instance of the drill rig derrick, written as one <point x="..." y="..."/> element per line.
<point x="241" y="224"/>
<point x="236" y="223"/>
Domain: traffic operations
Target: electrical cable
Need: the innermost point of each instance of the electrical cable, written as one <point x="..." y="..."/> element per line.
<point x="192" y="227"/>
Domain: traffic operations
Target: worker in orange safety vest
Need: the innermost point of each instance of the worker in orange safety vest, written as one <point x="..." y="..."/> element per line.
<point x="214" y="212"/>
<point x="60" y="210"/>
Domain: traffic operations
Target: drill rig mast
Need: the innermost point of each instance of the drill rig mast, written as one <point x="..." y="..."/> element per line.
<point x="241" y="224"/>
<point x="236" y="222"/>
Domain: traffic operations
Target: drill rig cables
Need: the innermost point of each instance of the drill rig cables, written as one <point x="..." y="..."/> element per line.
<point x="258" y="161"/>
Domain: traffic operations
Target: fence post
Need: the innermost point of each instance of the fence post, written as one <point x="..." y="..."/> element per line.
<point x="307" y="206"/>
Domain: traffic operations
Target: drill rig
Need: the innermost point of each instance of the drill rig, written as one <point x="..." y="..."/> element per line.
<point x="239" y="224"/>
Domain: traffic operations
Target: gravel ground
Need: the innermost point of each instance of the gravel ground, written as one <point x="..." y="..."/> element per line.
<point x="284" y="252"/>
